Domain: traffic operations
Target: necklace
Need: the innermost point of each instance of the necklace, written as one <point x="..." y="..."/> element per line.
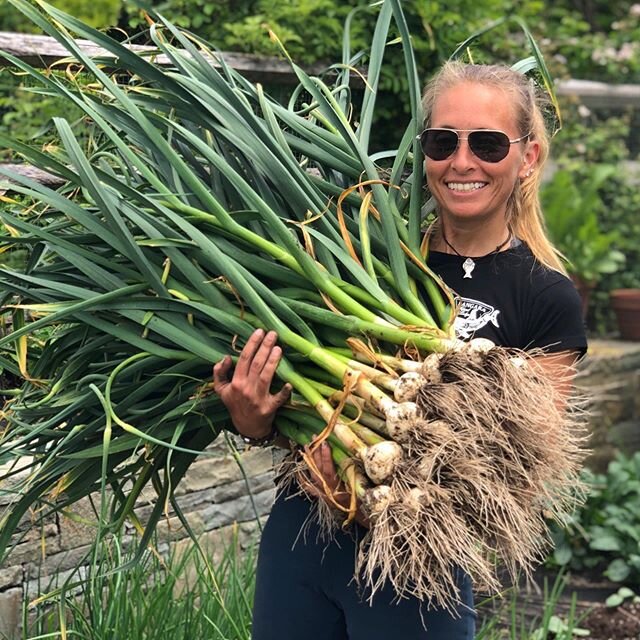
<point x="469" y="264"/>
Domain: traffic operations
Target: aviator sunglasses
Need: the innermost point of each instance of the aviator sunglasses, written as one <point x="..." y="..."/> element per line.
<point x="486" y="144"/>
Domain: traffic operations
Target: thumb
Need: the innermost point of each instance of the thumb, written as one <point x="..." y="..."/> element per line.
<point x="283" y="395"/>
<point x="221" y="374"/>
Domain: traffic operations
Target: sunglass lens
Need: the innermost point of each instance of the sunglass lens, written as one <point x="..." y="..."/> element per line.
<point x="490" y="146"/>
<point x="438" y="144"/>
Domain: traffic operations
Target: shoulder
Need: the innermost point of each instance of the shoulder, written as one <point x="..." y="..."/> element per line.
<point x="521" y="261"/>
<point x="554" y="316"/>
<point x="545" y="284"/>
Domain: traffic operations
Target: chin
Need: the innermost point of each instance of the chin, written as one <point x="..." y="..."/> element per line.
<point x="466" y="213"/>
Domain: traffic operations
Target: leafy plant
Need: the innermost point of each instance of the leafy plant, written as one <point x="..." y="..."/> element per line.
<point x="623" y="594"/>
<point x="97" y="13"/>
<point x="571" y="207"/>
<point x="588" y="139"/>
<point x="512" y="619"/>
<point x="604" y="535"/>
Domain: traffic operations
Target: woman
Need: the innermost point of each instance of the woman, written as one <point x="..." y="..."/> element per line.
<point x="485" y="145"/>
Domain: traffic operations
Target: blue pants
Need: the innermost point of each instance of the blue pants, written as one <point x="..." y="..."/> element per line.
<point x="305" y="590"/>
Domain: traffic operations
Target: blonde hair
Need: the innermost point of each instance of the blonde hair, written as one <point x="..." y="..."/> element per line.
<point x="524" y="213"/>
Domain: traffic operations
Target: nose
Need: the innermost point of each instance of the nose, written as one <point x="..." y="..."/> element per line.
<point x="463" y="158"/>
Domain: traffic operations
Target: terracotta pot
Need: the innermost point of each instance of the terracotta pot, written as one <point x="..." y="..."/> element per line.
<point x="626" y="305"/>
<point x="584" y="290"/>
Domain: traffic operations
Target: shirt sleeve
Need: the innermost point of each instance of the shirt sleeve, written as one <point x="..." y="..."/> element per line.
<point x="556" y="320"/>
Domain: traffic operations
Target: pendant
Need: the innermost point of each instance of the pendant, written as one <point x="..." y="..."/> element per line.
<point x="468" y="265"/>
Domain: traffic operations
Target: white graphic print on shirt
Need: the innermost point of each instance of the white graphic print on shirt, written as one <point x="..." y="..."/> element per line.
<point x="473" y="315"/>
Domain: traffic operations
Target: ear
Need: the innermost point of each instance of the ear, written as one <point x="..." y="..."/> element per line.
<point x="529" y="159"/>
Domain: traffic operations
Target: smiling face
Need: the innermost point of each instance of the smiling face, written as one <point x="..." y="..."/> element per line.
<point x="465" y="186"/>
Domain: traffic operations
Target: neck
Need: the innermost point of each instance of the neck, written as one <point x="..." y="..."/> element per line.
<point x="472" y="242"/>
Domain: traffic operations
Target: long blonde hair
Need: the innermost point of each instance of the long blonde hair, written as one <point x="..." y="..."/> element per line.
<point x="524" y="213"/>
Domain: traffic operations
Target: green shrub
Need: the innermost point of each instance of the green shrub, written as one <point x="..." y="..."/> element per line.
<point x="26" y="115"/>
<point x="572" y="205"/>
<point x="97" y="13"/>
<point x="600" y="43"/>
<point x="604" y="535"/>
<point x="585" y="141"/>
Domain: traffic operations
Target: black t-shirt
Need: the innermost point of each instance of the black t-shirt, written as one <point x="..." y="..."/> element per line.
<point x="514" y="300"/>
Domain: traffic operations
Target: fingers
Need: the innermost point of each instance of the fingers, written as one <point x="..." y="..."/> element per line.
<point x="265" y="351"/>
<point x="307" y="486"/>
<point x="267" y="370"/>
<point x="282" y="397"/>
<point x="248" y="353"/>
<point x="321" y="479"/>
<point x="325" y="467"/>
<point x="259" y="360"/>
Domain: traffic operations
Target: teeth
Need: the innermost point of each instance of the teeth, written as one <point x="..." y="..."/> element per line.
<point x="465" y="186"/>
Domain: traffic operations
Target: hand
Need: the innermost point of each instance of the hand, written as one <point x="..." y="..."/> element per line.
<point x="247" y="394"/>
<point x="324" y="478"/>
<point x="327" y="480"/>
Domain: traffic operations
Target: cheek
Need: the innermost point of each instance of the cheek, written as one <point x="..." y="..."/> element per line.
<point x="428" y="170"/>
<point x="433" y="172"/>
<point x="508" y="175"/>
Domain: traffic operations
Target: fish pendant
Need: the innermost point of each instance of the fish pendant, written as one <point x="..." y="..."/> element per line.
<point x="468" y="266"/>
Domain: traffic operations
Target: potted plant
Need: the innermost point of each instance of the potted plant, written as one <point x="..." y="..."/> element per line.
<point x="571" y="205"/>
<point x="626" y="305"/>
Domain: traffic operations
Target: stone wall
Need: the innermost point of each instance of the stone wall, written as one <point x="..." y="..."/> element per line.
<point x="220" y="498"/>
<point x="611" y="376"/>
<point x="215" y="494"/>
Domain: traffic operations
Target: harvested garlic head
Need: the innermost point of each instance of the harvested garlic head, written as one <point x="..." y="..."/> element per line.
<point x="431" y="368"/>
<point x="381" y="460"/>
<point x="377" y="499"/>
<point x="408" y="386"/>
<point x="401" y="420"/>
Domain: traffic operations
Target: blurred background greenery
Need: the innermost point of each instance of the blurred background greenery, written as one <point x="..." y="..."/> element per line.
<point x="583" y="39"/>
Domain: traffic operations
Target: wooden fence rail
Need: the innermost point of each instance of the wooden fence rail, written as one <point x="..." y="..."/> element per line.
<point x="43" y="51"/>
<point x="598" y="95"/>
<point x="43" y="177"/>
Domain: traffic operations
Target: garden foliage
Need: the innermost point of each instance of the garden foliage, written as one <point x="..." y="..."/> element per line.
<point x="572" y="206"/>
<point x="604" y="535"/>
<point x="97" y="13"/>
<point x="582" y="44"/>
<point x="585" y="143"/>
<point x="182" y="595"/>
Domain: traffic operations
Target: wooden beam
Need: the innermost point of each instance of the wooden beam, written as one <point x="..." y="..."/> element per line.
<point x="601" y="94"/>
<point x="42" y="52"/>
<point x="43" y="177"/>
